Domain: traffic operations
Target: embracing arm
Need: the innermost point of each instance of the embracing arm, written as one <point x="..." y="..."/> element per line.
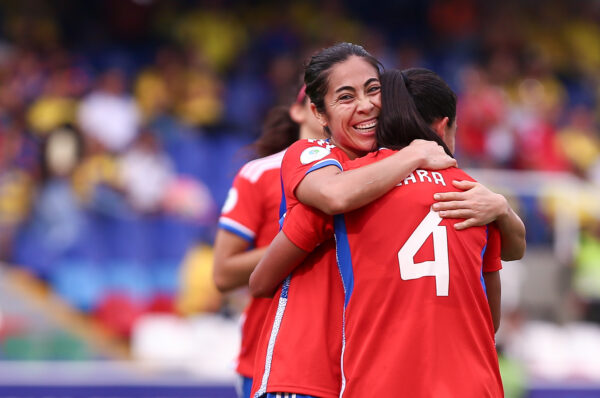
<point x="280" y="259"/>
<point x="480" y="206"/>
<point x="512" y="233"/>
<point x="333" y="191"/>
<point x="493" y="291"/>
<point x="233" y="262"/>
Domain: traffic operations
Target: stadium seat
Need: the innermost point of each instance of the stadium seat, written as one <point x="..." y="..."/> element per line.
<point x="32" y="253"/>
<point x="164" y="276"/>
<point x="127" y="278"/>
<point x="172" y="237"/>
<point x="80" y="283"/>
<point x="118" y="313"/>
<point x="161" y="303"/>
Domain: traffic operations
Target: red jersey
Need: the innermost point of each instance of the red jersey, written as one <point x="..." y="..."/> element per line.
<point x="417" y="321"/>
<point x="251" y="211"/>
<point x="300" y="347"/>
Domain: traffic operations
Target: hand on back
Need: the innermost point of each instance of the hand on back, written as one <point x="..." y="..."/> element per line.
<point x="432" y="154"/>
<point x="476" y="204"/>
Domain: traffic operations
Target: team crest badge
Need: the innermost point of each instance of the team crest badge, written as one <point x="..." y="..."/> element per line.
<point x="311" y="154"/>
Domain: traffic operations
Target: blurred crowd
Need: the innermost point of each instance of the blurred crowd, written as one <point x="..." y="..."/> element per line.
<point x="122" y="122"/>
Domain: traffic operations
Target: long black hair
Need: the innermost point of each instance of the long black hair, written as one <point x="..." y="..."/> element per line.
<point x="410" y="101"/>
<point x="278" y="132"/>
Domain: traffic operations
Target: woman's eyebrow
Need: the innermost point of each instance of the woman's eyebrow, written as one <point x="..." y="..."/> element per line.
<point x="371" y="80"/>
<point x="345" y="88"/>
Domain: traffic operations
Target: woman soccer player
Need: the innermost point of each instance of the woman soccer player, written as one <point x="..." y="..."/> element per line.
<point x="301" y="344"/>
<point x="417" y="319"/>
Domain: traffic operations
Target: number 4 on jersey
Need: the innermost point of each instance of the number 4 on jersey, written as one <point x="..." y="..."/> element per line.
<point x="439" y="266"/>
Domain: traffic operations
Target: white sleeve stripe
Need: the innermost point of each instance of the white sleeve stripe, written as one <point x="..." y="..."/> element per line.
<point x="255" y="168"/>
<point x="254" y="174"/>
<point x="237" y="226"/>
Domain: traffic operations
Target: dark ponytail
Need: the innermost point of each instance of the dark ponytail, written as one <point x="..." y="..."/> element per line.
<point x="401" y="120"/>
<point x="279" y="131"/>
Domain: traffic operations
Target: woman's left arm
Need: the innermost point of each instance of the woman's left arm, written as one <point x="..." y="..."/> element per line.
<point x="477" y="205"/>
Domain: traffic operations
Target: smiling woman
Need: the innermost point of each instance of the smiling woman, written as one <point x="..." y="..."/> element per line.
<point x="342" y="82"/>
<point x="392" y="307"/>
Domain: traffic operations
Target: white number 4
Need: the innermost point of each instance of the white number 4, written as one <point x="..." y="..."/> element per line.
<point x="439" y="266"/>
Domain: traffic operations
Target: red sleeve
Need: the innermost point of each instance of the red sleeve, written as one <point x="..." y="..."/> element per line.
<point x="242" y="211"/>
<point x="491" y="257"/>
<point x="303" y="157"/>
<point x="307" y="227"/>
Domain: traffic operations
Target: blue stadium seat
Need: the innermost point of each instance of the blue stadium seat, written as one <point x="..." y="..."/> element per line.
<point x="79" y="282"/>
<point x="164" y="276"/>
<point x="128" y="278"/>
<point x="32" y="253"/>
<point x="172" y="237"/>
<point x="122" y="238"/>
<point x="227" y="155"/>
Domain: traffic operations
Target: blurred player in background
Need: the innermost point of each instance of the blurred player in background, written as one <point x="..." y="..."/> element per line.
<point x="343" y="83"/>
<point x="250" y="215"/>
<point x="403" y="332"/>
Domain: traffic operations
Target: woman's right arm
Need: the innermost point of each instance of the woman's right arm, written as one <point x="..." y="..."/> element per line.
<point x="333" y="191"/>
<point x="233" y="262"/>
<point x="242" y="216"/>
